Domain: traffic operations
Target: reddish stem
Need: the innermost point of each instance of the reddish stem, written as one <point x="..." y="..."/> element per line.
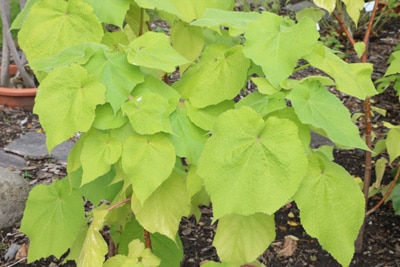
<point x="116" y="205"/>
<point x="147" y="239"/>
<point x="388" y="192"/>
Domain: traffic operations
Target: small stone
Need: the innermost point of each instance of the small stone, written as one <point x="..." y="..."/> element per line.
<point x="14" y="191"/>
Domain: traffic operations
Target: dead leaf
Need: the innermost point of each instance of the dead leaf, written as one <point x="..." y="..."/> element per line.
<point x="293" y="223"/>
<point x="289" y="246"/>
<point x="22" y="253"/>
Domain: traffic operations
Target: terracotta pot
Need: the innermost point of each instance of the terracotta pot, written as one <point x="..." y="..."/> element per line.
<point x="14" y="97"/>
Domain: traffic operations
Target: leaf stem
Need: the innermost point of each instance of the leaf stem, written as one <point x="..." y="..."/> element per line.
<point x="141" y="22"/>
<point x="387" y="194"/>
<point x="116" y="205"/>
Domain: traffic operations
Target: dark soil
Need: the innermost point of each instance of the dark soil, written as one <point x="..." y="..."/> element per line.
<point x="381" y="245"/>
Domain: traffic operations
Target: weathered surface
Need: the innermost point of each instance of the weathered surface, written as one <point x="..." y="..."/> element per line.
<point x="14" y="191"/>
<point x="33" y="145"/>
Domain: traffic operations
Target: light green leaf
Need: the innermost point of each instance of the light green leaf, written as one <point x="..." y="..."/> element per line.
<point x="329" y="5"/>
<point x="187" y="138"/>
<point x="66" y="103"/>
<point x="148" y="113"/>
<point x="247" y="154"/>
<point x="80" y="53"/>
<point x="206" y="117"/>
<point x="276" y="44"/>
<point x="153" y="50"/>
<point x="353" y="79"/>
<point x="110" y="11"/>
<point x="187" y="40"/>
<point x="52" y="219"/>
<point x="99" y="152"/>
<point x="395" y="197"/>
<point x="19" y="20"/>
<point x="332" y="207"/>
<point x="114" y="71"/>
<point x="235" y="21"/>
<point x="220" y="67"/>
<point x="393" y="143"/>
<point x="148" y="161"/>
<point x="353" y="8"/>
<point x="264" y="86"/>
<point x="186" y="10"/>
<point x="116" y="41"/>
<point x="313" y="13"/>
<point x="95" y="247"/>
<point x="105" y="118"/>
<point x="241" y="239"/>
<point x="315" y="105"/>
<point x="394" y="66"/>
<point x="101" y="188"/>
<point x="133" y="18"/>
<point x="263" y="104"/>
<point x="164" y="209"/>
<point x="55" y="25"/>
<point x="154" y="85"/>
<point x="360" y="48"/>
<point x="170" y="252"/>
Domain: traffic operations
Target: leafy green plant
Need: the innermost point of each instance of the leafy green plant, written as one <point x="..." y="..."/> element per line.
<point x="156" y="150"/>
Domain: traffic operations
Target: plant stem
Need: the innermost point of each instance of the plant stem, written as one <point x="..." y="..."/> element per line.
<point x="5" y="61"/>
<point x="387" y="194"/>
<point x="147" y="239"/>
<point x="368" y="120"/>
<point x="140" y="33"/>
<point x="368" y="130"/>
<point x="116" y="205"/>
<point x="28" y="81"/>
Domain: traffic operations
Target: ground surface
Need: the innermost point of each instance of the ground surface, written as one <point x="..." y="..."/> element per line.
<point x="382" y="233"/>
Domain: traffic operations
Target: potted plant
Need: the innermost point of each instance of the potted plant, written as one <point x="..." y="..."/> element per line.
<point x="20" y="90"/>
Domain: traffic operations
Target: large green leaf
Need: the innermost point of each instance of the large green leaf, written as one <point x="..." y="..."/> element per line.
<point x="315" y="105"/>
<point x="206" y="117"/>
<point x="164" y="209"/>
<point x="94" y="247"/>
<point x="326" y="4"/>
<point x="106" y="118"/>
<point x="115" y="72"/>
<point x="80" y="53"/>
<point x="241" y="239"/>
<point x="219" y="75"/>
<point x="110" y="11"/>
<point x="55" y="25"/>
<point x="156" y="86"/>
<point x="394" y="66"/>
<point x="99" y="152"/>
<point x="187" y="138"/>
<point x="353" y="8"/>
<point x="276" y="44"/>
<point x="138" y="256"/>
<point x="170" y="252"/>
<point x="353" y="79"/>
<point x="52" y="219"/>
<point x="332" y="207"/>
<point x="186" y="10"/>
<point x="235" y="21"/>
<point x="153" y="50"/>
<point x="393" y="143"/>
<point x="187" y="40"/>
<point x="148" y="161"/>
<point x="66" y="103"/>
<point x="263" y="104"/>
<point x="148" y="113"/>
<point x="250" y="165"/>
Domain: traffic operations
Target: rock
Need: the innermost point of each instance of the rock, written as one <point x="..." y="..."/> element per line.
<point x="14" y="191"/>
